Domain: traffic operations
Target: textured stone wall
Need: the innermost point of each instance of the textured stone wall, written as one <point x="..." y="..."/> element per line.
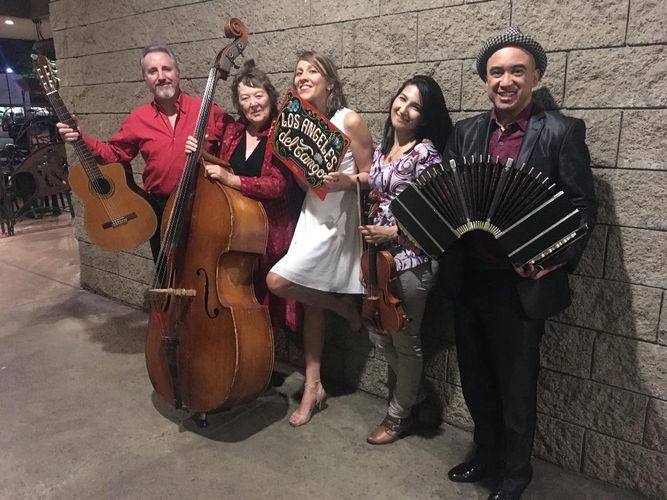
<point x="603" y="388"/>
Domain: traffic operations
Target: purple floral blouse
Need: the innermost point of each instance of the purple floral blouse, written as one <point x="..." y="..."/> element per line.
<point x="389" y="179"/>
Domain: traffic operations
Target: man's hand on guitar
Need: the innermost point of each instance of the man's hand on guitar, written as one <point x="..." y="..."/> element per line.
<point x="67" y="133"/>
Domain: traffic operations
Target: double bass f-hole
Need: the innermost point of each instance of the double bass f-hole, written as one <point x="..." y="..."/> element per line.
<point x="211" y="313"/>
<point x="381" y="311"/>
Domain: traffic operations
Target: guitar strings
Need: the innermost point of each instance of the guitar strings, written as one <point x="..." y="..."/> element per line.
<point x="88" y="163"/>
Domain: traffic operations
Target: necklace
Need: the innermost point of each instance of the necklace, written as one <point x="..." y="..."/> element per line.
<point x="397" y="151"/>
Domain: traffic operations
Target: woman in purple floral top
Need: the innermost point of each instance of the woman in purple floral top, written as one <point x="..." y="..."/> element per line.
<point x="414" y="136"/>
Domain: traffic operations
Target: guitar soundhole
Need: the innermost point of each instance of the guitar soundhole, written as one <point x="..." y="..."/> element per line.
<point x="101" y="186"/>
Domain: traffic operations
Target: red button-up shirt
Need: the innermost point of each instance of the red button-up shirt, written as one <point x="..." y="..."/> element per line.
<point x="147" y="131"/>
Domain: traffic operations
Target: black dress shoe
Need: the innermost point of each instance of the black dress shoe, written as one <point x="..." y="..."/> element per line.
<point x="470" y="472"/>
<point x="503" y="495"/>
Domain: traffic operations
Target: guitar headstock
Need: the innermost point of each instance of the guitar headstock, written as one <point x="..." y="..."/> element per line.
<point x="46" y="72"/>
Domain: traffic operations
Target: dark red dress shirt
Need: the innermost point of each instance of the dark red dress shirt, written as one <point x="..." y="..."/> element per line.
<point x="483" y="250"/>
<point x="506" y="143"/>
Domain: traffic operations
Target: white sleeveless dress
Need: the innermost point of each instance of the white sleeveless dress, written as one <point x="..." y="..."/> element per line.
<point x="326" y="246"/>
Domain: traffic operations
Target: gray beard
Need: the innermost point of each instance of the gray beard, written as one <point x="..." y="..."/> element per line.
<point x="165" y="91"/>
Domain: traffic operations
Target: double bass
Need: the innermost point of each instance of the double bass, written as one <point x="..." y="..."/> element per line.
<point x="209" y="342"/>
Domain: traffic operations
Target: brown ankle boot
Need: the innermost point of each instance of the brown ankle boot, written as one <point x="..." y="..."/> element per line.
<point x="390" y="430"/>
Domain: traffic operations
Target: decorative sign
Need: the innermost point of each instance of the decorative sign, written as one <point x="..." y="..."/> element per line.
<point x="309" y="144"/>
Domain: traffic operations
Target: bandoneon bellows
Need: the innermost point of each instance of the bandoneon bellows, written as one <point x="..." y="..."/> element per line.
<point x="529" y="219"/>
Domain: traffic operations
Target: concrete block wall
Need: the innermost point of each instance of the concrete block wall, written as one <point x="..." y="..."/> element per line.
<point x="603" y="387"/>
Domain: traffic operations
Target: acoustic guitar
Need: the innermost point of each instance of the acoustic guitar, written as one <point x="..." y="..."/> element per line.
<point x="116" y="216"/>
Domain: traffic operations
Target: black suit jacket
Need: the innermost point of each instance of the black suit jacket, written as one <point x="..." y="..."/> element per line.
<point x="555" y="145"/>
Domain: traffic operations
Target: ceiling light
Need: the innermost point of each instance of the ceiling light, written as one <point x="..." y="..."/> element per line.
<point x="9" y="21"/>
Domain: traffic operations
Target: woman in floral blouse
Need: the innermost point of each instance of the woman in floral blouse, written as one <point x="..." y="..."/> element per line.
<point x="415" y="134"/>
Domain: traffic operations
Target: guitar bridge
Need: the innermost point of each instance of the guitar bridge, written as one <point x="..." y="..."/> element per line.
<point x="119" y="221"/>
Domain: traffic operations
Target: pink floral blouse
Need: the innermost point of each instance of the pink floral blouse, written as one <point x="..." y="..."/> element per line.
<point x="389" y="179"/>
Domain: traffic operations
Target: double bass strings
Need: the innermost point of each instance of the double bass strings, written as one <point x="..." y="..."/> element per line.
<point x="176" y="223"/>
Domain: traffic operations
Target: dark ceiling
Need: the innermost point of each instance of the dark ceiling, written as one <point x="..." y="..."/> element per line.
<point x="15" y="49"/>
<point x="29" y="9"/>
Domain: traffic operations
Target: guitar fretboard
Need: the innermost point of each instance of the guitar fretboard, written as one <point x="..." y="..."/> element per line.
<point x="86" y="158"/>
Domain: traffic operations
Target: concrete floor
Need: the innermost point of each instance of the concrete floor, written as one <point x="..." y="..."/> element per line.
<point x="78" y="418"/>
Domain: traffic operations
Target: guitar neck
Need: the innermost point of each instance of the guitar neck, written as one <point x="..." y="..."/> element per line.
<point x="86" y="158"/>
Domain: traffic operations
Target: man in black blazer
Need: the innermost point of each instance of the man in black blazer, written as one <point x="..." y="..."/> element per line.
<point x="500" y="308"/>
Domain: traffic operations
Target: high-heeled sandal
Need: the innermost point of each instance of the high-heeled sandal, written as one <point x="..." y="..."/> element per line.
<point x="298" y="418"/>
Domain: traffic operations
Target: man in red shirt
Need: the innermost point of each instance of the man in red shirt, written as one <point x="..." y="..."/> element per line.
<point x="156" y="130"/>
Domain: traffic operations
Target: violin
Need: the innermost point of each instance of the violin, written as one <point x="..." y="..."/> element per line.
<point x="381" y="310"/>
<point x="209" y="342"/>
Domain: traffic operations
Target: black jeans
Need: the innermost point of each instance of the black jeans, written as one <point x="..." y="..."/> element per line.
<point x="498" y="355"/>
<point x="158" y="203"/>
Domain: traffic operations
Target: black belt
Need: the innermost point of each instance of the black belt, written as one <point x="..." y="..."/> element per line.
<point x="158" y="198"/>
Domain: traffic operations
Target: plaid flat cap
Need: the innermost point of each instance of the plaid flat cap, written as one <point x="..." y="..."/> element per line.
<point x="512" y="37"/>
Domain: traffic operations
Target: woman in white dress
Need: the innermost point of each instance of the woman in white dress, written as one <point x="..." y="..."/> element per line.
<point x="321" y="268"/>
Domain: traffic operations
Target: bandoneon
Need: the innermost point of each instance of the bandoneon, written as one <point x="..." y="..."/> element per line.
<point x="529" y="219"/>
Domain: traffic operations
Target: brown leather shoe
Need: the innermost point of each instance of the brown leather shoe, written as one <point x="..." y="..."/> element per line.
<point x="390" y="430"/>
